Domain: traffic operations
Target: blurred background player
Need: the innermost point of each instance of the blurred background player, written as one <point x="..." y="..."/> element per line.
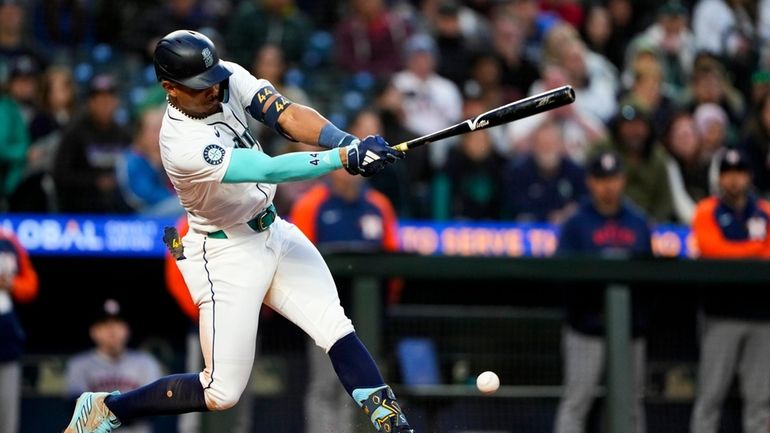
<point x="606" y="225"/>
<point x="18" y="282"/>
<point x="340" y="215"/>
<point x="110" y="365"/>
<point x="735" y="333"/>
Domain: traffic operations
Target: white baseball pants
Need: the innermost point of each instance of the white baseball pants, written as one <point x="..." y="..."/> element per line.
<point x="230" y="278"/>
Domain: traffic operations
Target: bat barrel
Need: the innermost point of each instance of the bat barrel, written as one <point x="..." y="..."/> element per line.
<point x="516" y="110"/>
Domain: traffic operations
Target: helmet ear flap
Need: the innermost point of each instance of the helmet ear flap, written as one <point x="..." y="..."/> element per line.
<point x="224" y="91"/>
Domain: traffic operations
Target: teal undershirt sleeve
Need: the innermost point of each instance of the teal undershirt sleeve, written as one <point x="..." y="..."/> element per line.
<point x="248" y="165"/>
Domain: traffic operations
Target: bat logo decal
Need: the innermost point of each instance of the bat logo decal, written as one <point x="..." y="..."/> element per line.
<point x="543" y="101"/>
<point x="477" y="123"/>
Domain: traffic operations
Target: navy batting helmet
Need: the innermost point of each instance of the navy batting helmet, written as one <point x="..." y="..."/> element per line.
<point x="190" y="59"/>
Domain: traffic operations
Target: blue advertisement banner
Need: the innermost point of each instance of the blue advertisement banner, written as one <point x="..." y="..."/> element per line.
<point x="517" y="240"/>
<point x="85" y="235"/>
<point x="130" y="236"/>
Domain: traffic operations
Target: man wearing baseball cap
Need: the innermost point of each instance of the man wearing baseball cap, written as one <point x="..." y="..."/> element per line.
<point x="736" y="332"/>
<point x="605" y="225"/>
<point x="111" y="365"/>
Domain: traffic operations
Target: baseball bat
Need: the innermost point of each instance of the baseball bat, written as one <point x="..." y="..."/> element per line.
<point x="515" y="110"/>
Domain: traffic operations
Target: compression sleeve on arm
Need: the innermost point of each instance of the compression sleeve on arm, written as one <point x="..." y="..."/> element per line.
<point x="247" y="165"/>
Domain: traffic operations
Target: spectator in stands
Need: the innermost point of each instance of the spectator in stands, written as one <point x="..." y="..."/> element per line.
<point x="140" y="174"/>
<point x="735" y="331"/>
<point x="647" y="91"/>
<point x="260" y="22"/>
<point x="63" y="27"/>
<point x="371" y="39"/>
<point x="110" y="365"/>
<point x="756" y="144"/>
<point x="18" y="282"/>
<point x="687" y="172"/>
<point x="712" y="124"/>
<point x="13" y="40"/>
<point x="647" y="182"/>
<point x="570" y="11"/>
<point x="340" y="215"/>
<point x="23" y="86"/>
<point x="609" y="226"/>
<point x="455" y="46"/>
<point x="485" y="73"/>
<point x="710" y="84"/>
<point x="534" y="23"/>
<point x="56" y="108"/>
<point x="596" y="30"/>
<point x="469" y="187"/>
<point x="430" y="101"/>
<point x="268" y="63"/>
<point x="14" y="141"/>
<point x="581" y="130"/>
<point x="626" y="19"/>
<point x="84" y="169"/>
<point x="149" y="26"/>
<point x="731" y="30"/>
<point x="672" y="42"/>
<point x="544" y="185"/>
<point x="594" y="78"/>
<point x="517" y="69"/>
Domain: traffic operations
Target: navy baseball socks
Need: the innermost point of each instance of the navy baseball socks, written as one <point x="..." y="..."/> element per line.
<point x="101" y="412"/>
<point x="363" y="381"/>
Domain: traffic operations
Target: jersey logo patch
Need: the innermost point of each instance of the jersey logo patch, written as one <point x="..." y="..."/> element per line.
<point x="214" y="154"/>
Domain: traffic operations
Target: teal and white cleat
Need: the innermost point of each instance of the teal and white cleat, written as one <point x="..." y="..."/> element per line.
<point x="92" y="415"/>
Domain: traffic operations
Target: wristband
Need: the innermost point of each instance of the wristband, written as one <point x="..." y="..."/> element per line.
<point x="332" y="137"/>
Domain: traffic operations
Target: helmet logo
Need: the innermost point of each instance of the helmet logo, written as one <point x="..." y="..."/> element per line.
<point x="208" y="58"/>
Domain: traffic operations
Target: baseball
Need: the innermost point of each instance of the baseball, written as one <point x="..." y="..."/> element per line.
<point x="488" y="382"/>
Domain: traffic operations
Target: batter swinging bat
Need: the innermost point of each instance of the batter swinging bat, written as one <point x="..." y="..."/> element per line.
<point x="515" y="110"/>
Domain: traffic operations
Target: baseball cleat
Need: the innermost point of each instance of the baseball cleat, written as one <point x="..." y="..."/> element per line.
<point x="385" y="413"/>
<point x="92" y="415"/>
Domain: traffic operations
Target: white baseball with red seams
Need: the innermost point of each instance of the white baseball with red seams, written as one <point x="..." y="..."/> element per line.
<point x="488" y="382"/>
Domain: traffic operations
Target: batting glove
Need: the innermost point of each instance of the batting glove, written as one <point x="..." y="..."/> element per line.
<point x="370" y="156"/>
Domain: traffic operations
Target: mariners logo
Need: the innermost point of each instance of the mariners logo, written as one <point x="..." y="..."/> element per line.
<point x="214" y="154"/>
<point x="208" y="59"/>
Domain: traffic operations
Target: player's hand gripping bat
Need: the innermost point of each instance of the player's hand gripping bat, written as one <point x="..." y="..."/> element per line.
<point x="515" y="110"/>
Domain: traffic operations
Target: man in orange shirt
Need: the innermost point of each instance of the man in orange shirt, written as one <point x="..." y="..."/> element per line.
<point x="18" y="282"/>
<point x="735" y="331"/>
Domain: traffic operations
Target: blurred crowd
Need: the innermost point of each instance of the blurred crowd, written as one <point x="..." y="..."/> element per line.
<point x="669" y="85"/>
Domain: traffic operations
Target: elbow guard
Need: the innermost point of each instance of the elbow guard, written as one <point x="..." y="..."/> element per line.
<point x="267" y="106"/>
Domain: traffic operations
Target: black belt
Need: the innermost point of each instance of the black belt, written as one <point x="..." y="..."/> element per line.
<point x="259" y="223"/>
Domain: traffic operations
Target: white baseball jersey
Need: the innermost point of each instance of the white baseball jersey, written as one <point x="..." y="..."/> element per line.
<point x="196" y="153"/>
<point x="284" y="270"/>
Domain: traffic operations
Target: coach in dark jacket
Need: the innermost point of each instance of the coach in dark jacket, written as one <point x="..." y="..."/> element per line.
<point x="606" y="225"/>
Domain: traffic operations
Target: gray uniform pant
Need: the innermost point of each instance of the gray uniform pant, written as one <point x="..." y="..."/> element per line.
<point x="328" y="407"/>
<point x="727" y="346"/>
<point x="10" y="384"/>
<point x="584" y="358"/>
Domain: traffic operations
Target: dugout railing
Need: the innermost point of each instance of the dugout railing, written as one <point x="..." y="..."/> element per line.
<point x="616" y="275"/>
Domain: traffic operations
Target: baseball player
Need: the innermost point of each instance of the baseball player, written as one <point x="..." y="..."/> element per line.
<point x="238" y="253"/>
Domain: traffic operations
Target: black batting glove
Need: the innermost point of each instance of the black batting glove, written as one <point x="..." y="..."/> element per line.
<point x="370" y="156"/>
